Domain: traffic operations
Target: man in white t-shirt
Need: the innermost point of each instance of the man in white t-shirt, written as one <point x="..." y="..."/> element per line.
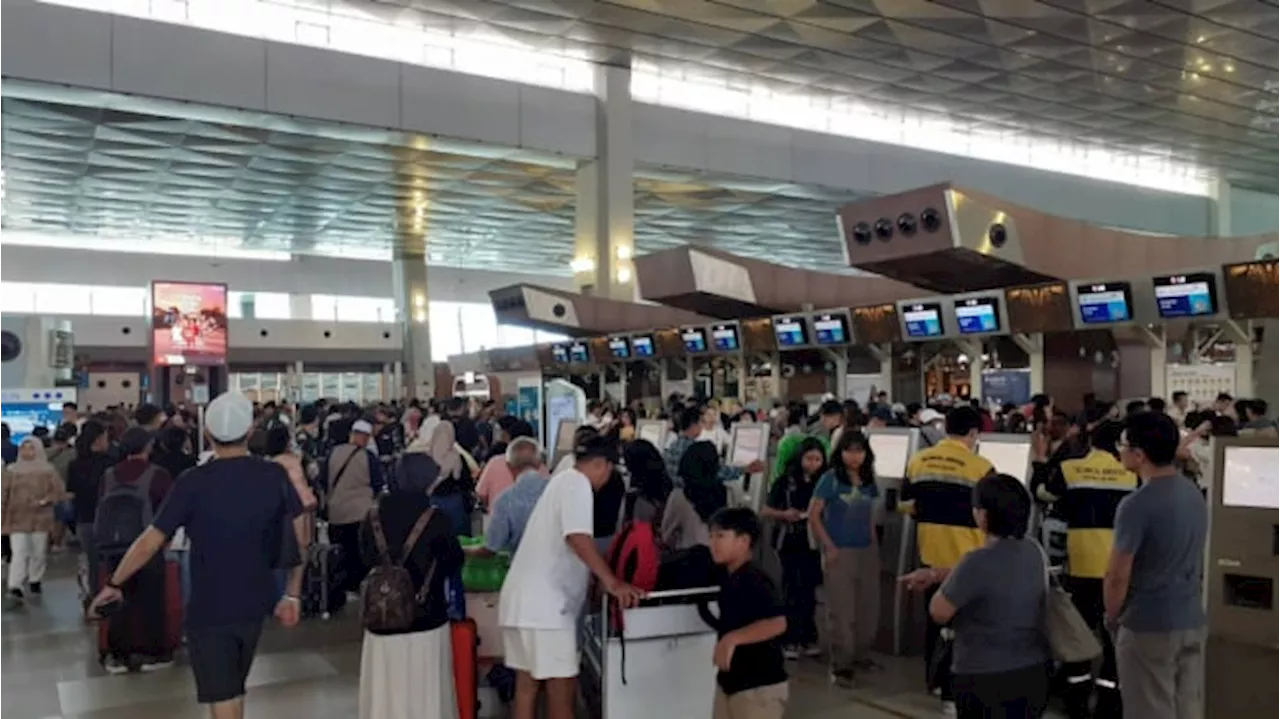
<point x="546" y="586"/>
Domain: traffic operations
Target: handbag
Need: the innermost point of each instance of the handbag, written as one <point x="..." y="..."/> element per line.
<point x="1069" y="636"/>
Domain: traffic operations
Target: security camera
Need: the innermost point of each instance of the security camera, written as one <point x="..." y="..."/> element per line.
<point x="884" y="228"/>
<point x="998" y="235"/>
<point x="862" y="233"/>
<point x="907" y="224"/>
<point x="930" y="219"/>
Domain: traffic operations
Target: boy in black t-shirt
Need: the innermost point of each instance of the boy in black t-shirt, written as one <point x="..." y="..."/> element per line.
<point x="752" y="682"/>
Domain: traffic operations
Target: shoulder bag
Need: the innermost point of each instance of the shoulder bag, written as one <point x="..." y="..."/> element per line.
<point x="1069" y="636"/>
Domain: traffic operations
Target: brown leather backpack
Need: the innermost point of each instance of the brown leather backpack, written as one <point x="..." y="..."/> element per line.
<point x="388" y="602"/>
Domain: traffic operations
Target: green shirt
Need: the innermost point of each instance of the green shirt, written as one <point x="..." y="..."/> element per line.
<point x="789" y="445"/>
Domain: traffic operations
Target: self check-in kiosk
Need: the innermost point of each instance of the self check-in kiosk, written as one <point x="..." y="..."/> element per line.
<point x="902" y="612"/>
<point x="1241" y="578"/>
<point x="1009" y="453"/>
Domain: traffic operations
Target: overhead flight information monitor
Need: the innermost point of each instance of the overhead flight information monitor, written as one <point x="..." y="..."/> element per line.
<point x="1192" y="295"/>
<point x="790" y="331"/>
<point x="695" y="339"/>
<point x="642" y="346"/>
<point x="620" y="348"/>
<point x="1105" y="302"/>
<point x="978" y="315"/>
<point x="923" y="319"/>
<point x="560" y="354"/>
<point x="578" y="353"/>
<point x="724" y="337"/>
<point x="831" y="328"/>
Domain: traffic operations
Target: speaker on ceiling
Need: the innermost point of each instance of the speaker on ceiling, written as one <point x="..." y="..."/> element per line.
<point x="559" y="310"/>
<point x="884" y="228"/>
<point x="907" y="224"/>
<point x="930" y="219"/>
<point x="10" y="346"/>
<point x="862" y="233"/>
<point x="998" y="235"/>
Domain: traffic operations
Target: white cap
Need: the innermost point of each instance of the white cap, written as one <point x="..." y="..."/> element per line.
<point x="362" y="426"/>
<point x="929" y="415"/>
<point x="229" y="417"/>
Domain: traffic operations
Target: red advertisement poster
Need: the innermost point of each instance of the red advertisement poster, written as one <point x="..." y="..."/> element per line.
<point x="188" y="323"/>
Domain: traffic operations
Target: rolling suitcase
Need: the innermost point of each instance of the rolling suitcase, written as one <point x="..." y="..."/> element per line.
<point x="465" y="640"/>
<point x="173" y="609"/>
<point x="321" y="592"/>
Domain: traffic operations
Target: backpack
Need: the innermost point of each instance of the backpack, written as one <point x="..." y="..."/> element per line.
<point x="633" y="557"/>
<point x="388" y="602"/>
<point x="124" y="512"/>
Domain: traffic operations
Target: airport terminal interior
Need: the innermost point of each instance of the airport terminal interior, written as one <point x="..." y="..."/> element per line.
<point x="528" y="208"/>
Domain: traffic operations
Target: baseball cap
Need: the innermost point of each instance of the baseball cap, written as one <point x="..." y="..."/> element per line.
<point x="929" y="415"/>
<point x="229" y="417"/>
<point x="134" y="440"/>
<point x="362" y="427"/>
<point x="596" y="445"/>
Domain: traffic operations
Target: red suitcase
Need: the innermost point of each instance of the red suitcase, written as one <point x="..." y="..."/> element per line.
<point x="465" y="638"/>
<point x="172" y="609"/>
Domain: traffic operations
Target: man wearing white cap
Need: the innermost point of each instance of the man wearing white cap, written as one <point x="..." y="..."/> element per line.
<point x="353" y="480"/>
<point x="234" y="511"/>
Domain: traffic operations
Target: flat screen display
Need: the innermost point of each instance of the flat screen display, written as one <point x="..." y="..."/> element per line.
<point x="1251" y="477"/>
<point x="188" y="324"/>
<point x="1011" y="458"/>
<point x="1191" y="295"/>
<point x="560" y="354"/>
<point x="620" y="348"/>
<point x="790" y="332"/>
<point x="923" y="319"/>
<point x="891" y="453"/>
<point x="578" y="352"/>
<point x="725" y="338"/>
<point x="24" y="410"/>
<point x="695" y="339"/>
<point x="1105" y="303"/>
<point x="642" y="346"/>
<point x="831" y="328"/>
<point x="978" y="315"/>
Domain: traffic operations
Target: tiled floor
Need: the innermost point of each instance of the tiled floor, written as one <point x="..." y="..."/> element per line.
<point x="50" y="671"/>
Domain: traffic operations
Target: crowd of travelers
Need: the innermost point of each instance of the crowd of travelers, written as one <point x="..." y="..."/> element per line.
<point x="386" y="492"/>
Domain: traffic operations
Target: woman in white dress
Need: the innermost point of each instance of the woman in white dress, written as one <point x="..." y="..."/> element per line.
<point x="409" y="674"/>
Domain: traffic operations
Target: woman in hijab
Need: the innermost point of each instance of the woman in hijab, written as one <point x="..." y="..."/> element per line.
<point x="409" y="674"/>
<point x="449" y="487"/>
<point x="31" y="487"/>
<point x="689" y="509"/>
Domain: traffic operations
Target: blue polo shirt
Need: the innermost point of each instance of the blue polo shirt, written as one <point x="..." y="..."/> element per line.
<point x="848" y="511"/>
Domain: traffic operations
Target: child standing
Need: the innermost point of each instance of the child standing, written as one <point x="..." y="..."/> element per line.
<point x="801" y="564"/>
<point x="752" y="682"/>
<point x="842" y="517"/>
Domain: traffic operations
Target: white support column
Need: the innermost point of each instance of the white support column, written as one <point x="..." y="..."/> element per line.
<point x="1033" y="345"/>
<point x="300" y="308"/>
<point x="604" y="229"/>
<point x="299" y="370"/>
<point x="973" y="350"/>
<point x="410" y="284"/>
<point x="883" y="353"/>
<point x="1155" y="339"/>
<point x="1241" y="334"/>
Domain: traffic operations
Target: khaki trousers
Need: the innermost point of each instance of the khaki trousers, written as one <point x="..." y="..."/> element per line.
<point x="852" y="579"/>
<point x="1161" y="673"/>
<point x="760" y="703"/>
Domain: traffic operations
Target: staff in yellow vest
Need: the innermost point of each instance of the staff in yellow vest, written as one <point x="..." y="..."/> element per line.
<point x="1086" y="493"/>
<point x="938" y="493"/>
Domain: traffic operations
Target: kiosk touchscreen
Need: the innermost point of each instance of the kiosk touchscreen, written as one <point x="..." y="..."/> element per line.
<point x="724" y="337"/>
<point x="831" y="329"/>
<point x="1105" y="303"/>
<point x="619" y="348"/>
<point x="922" y="320"/>
<point x="790" y="331"/>
<point x="902" y="625"/>
<point x="1010" y="453"/>
<point x="1190" y="295"/>
<point x="642" y="347"/>
<point x="694" y="339"/>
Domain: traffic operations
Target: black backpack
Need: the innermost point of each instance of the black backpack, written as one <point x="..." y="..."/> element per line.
<point x="124" y="512"/>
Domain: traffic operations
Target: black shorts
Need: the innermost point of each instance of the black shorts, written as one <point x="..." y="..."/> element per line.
<point x="221" y="658"/>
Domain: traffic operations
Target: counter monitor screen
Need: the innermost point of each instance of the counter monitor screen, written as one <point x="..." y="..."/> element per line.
<point x="695" y="339"/>
<point x="831" y="329"/>
<point x="560" y="354"/>
<point x="923" y="319"/>
<point x="642" y="346"/>
<point x="790" y="332"/>
<point x="1105" y="303"/>
<point x="1191" y="295"/>
<point x="891" y="453"/>
<point x="578" y="353"/>
<point x="1011" y="458"/>
<point x="725" y="338"/>
<point x="619" y="348"/>
<point x="978" y="315"/>
<point x="1251" y="477"/>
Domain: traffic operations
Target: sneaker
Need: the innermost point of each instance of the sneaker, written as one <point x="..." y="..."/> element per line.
<point x="17" y="594"/>
<point x="151" y="665"/>
<point x="36" y="589"/>
<point x="791" y="653"/>
<point x="949" y="710"/>
<point x="842" y="678"/>
<point x="115" y="666"/>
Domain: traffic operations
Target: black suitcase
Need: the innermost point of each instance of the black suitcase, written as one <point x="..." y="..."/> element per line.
<point x="322" y="594"/>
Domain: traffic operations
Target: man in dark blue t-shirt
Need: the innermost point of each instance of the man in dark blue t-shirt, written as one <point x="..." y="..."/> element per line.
<point x="235" y="510"/>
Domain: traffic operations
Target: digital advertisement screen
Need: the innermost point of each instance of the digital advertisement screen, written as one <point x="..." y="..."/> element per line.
<point x="694" y="338"/>
<point x="831" y="328"/>
<point x="923" y="319"/>
<point x="642" y="346"/>
<point x="725" y="338"/>
<point x="978" y="315"/>
<point x="578" y="352"/>
<point x="790" y="332"/>
<point x="619" y="347"/>
<point x="1251" y="477"/>
<point x="188" y="324"/>
<point x="1186" y="295"/>
<point x="1105" y="303"/>
<point x="560" y="354"/>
